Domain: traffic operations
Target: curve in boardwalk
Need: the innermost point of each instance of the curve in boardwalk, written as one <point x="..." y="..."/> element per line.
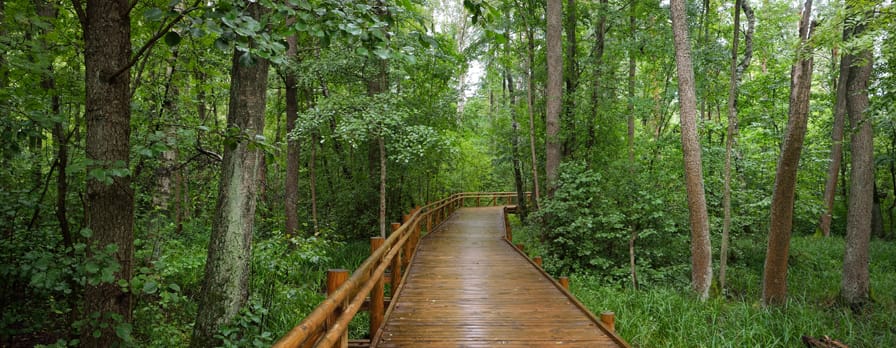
<point x="468" y="287"/>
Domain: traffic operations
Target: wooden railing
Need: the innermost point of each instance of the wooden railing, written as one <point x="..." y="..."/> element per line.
<point x="327" y="325"/>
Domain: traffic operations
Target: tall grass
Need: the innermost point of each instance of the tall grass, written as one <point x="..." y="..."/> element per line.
<point x="669" y="316"/>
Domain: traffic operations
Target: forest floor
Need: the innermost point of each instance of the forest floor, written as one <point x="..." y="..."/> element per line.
<point x="668" y="315"/>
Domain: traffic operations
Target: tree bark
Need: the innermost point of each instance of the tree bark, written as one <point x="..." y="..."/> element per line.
<point x="226" y="286"/>
<point x="312" y="181"/>
<point x="854" y="288"/>
<point x="515" y="150"/>
<point x="631" y="139"/>
<point x="774" y="281"/>
<point x="731" y="134"/>
<point x="530" y="105"/>
<point x="701" y="252"/>
<point x="569" y="140"/>
<point x="291" y="187"/>
<point x="830" y="184"/>
<point x="554" y="93"/>
<point x="109" y="205"/>
<point x="597" y="52"/>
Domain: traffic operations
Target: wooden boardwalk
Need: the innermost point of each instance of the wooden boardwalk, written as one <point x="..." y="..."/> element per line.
<point x="468" y="287"/>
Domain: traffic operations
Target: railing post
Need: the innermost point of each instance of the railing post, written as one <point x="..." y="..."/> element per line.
<point x="508" y="233"/>
<point x="335" y="278"/>
<point x="564" y="282"/>
<point x="609" y="320"/>
<point x="478" y="200"/>
<point x="377" y="295"/>
<point x="537" y="261"/>
<point x="521" y="247"/>
<point x="429" y="223"/>
<point x="396" y="263"/>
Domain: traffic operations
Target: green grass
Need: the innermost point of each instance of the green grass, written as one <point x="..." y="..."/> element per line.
<point x="668" y="316"/>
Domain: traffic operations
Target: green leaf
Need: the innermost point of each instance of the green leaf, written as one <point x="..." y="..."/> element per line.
<point x="222" y="44"/>
<point x="154" y="14"/>
<point x="150" y="287"/>
<point x="123" y="331"/>
<point x="382" y="53"/>
<point x="86" y="232"/>
<point x="172" y="38"/>
<point x="174" y="287"/>
<point x="246" y="59"/>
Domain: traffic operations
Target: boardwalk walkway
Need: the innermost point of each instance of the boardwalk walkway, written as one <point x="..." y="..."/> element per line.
<point x="467" y="287"/>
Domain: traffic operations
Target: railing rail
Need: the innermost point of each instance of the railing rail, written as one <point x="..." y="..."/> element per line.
<point x="327" y="325"/>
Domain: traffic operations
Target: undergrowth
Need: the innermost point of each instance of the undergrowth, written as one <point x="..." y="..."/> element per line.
<point x="667" y="315"/>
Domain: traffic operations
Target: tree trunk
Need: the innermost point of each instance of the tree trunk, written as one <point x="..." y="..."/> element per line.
<point x="854" y="288"/>
<point x="226" y="286"/>
<point x="597" y="53"/>
<point x="701" y="253"/>
<point x="731" y="134"/>
<point x="774" y="281"/>
<point x="569" y="140"/>
<point x="830" y="184"/>
<point x="381" y="144"/>
<point x="109" y="204"/>
<point x="515" y="150"/>
<point x="554" y="93"/>
<point x="312" y="181"/>
<point x="530" y="105"/>
<point x="291" y="187"/>
<point x="631" y="139"/>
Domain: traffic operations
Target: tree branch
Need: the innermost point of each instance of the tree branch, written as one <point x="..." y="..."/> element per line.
<point x="152" y="41"/>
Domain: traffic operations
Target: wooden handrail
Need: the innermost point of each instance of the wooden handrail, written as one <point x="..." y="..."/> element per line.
<point x="313" y="331"/>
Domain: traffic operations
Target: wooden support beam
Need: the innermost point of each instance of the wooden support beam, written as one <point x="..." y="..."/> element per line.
<point x="396" y="263"/>
<point x="335" y="278"/>
<point x="564" y="282"/>
<point x="609" y="320"/>
<point x="521" y="247"/>
<point x="537" y="261"/>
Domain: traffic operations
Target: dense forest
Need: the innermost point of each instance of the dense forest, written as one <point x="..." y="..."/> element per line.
<point x="182" y="173"/>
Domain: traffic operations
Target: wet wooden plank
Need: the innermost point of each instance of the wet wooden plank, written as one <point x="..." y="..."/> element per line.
<point x="467" y="287"/>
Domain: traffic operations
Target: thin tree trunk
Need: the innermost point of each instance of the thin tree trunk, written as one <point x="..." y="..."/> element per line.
<point x="701" y="252"/>
<point x="569" y="140"/>
<point x="515" y="150"/>
<point x="530" y="105"/>
<point x="381" y="144"/>
<point x="554" y="93"/>
<point x="774" y="281"/>
<point x="312" y="182"/>
<point x="731" y="134"/>
<point x="597" y="53"/>
<point x="291" y="187"/>
<point x="631" y="140"/>
<point x="226" y="286"/>
<point x="830" y="184"/>
<point x="855" y="286"/>
<point x="109" y="205"/>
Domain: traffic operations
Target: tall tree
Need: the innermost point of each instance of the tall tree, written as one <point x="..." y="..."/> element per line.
<point x="110" y="198"/>
<point x="854" y="287"/>
<point x="830" y="184"/>
<point x="554" y="93"/>
<point x="597" y="53"/>
<point x="226" y="286"/>
<point x="530" y="108"/>
<point x="774" y="281"/>
<point x="572" y="80"/>
<point x="737" y="71"/>
<point x="631" y="136"/>
<point x="291" y="187"/>
<point x="701" y="252"/>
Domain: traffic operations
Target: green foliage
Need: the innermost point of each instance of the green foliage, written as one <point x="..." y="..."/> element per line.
<point x="666" y="316"/>
<point x="587" y="225"/>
